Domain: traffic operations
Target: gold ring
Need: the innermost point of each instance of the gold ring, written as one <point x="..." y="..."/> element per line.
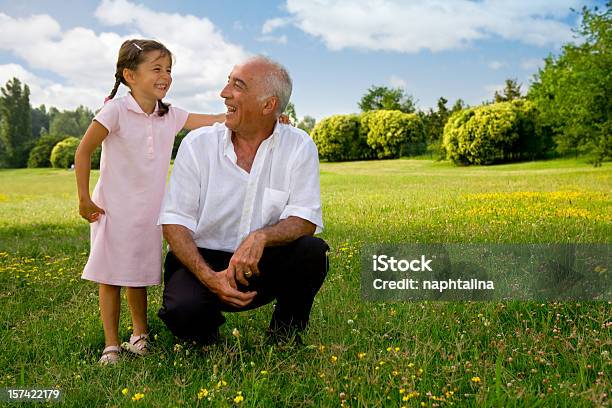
<point x="248" y="274"/>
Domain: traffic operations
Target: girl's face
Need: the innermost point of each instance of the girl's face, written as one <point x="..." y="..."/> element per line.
<point x="153" y="76"/>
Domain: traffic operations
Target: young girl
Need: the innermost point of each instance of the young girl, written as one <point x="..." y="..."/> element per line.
<point x="137" y="134"/>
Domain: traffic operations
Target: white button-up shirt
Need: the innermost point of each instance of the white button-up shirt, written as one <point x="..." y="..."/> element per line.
<point x="221" y="203"/>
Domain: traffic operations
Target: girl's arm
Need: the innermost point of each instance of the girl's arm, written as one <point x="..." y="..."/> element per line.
<point x="197" y="120"/>
<point x="93" y="138"/>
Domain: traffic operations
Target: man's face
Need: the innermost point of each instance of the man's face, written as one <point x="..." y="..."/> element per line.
<point x="242" y="97"/>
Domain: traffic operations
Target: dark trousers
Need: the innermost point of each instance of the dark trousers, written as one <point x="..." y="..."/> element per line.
<point x="291" y="274"/>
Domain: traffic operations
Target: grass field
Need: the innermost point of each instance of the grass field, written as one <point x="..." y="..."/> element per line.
<point x="357" y="353"/>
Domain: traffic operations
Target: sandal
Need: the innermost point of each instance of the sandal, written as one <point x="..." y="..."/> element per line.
<point x="110" y="355"/>
<point x="137" y="345"/>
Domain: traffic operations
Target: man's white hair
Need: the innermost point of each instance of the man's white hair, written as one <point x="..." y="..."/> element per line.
<point x="277" y="82"/>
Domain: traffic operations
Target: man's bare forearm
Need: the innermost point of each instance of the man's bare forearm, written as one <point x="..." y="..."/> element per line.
<point x="185" y="249"/>
<point x="286" y="231"/>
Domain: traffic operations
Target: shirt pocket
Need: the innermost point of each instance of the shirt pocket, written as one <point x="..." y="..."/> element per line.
<point x="273" y="204"/>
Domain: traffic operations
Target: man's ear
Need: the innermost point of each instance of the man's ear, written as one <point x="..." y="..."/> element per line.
<point x="270" y="105"/>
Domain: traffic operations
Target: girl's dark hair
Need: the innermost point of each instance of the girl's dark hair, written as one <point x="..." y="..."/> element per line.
<point x="131" y="54"/>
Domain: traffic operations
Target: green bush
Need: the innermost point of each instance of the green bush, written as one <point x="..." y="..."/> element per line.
<point x="390" y="132"/>
<point x="95" y="158"/>
<point x="498" y="132"/>
<point x="338" y="138"/>
<point x="62" y="155"/>
<point x="40" y="155"/>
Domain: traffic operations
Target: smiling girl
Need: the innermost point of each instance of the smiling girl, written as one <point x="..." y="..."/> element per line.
<point x="137" y="134"/>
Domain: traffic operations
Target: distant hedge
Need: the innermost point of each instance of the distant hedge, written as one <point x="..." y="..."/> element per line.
<point x="493" y="133"/>
<point x="388" y="132"/>
<point x="338" y="138"/>
<point x="62" y="155"/>
<point x="40" y="155"/>
<point x="378" y="134"/>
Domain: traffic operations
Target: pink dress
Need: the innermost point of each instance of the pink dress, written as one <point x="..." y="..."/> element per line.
<point x="126" y="242"/>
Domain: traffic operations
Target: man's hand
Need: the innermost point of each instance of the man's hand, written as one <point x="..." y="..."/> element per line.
<point x="220" y="285"/>
<point x="244" y="262"/>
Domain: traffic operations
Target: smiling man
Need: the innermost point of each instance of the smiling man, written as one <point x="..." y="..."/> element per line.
<point x="240" y="212"/>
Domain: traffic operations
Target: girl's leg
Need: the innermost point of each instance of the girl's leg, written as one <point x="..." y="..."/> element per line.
<point x="110" y="306"/>
<point x="137" y="299"/>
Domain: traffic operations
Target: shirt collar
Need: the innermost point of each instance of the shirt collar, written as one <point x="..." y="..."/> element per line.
<point x="228" y="147"/>
<point x="132" y="105"/>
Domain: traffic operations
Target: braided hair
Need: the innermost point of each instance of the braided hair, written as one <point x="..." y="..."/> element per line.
<point x="131" y="54"/>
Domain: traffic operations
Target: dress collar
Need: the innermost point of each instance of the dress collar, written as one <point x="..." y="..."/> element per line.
<point x="132" y="105"/>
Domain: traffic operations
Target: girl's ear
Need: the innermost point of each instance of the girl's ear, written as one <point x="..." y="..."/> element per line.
<point x="270" y="105"/>
<point x="128" y="75"/>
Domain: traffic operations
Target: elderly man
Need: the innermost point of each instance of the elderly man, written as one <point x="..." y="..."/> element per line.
<point x="241" y="208"/>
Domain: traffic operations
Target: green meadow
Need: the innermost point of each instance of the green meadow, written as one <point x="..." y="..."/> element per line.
<point x="357" y="353"/>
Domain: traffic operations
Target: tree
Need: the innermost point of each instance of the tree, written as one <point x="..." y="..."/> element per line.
<point x="458" y="105"/>
<point x="62" y="155"/>
<point x="512" y="91"/>
<point x="493" y="133"/>
<point x="40" y="121"/>
<point x="391" y="133"/>
<point x="70" y="123"/>
<point x="15" y="124"/>
<point x="40" y="155"/>
<point x="433" y="123"/>
<point x="290" y="111"/>
<point x="573" y="92"/>
<point x="307" y="124"/>
<point x="384" y="98"/>
<point x="338" y="138"/>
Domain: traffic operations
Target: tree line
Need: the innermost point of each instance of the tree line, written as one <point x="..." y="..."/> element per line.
<point x="567" y="110"/>
<point x="27" y="134"/>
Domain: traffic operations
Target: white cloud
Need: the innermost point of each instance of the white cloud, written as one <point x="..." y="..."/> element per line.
<point x="85" y="60"/>
<point x="273" y="24"/>
<point x="282" y="39"/>
<point x="532" y="64"/>
<point x="495" y="65"/>
<point x="44" y="91"/>
<point x="397" y="82"/>
<point x="412" y="26"/>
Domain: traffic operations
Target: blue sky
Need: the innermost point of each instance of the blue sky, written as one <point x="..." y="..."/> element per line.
<point x="334" y="49"/>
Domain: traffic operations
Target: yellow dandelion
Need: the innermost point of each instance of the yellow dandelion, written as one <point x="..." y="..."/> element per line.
<point x="334" y="359"/>
<point x="361" y="355"/>
<point x="475" y="379"/>
<point x="389" y="348"/>
<point x="397" y="349"/>
<point x="410" y="365"/>
<point x="238" y="398"/>
<point x="395" y="373"/>
<point x="401" y="391"/>
<point x="321" y="348"/>
<point x="263" y="372"/>
<point x="203" y="393"/>
<point x="138" y="396"/>
<point x="124" y="391"/>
